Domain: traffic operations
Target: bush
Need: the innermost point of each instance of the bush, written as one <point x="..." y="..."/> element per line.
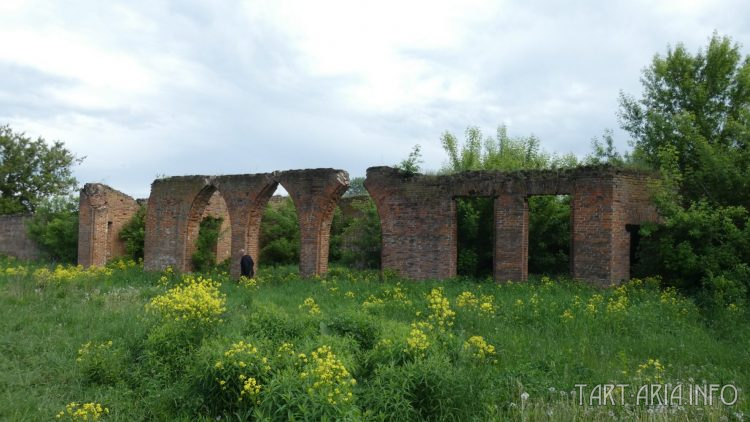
<point x="54" y="228"/>
<point x="279" y="236"/>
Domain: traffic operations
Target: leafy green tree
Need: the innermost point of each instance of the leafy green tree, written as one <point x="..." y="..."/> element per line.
<point x="694" y="115"/>
<point x="549" y="222"/>
<point x="54" y="227"/>
<point x="692" y="124"/>
<point x="31" y="170"/>
<point x="360" y="238"/>
<point x="279" y="237"/>
<point x="133" y="233"/>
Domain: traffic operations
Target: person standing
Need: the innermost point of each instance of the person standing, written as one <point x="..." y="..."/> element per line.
<point x="246" y="265"/>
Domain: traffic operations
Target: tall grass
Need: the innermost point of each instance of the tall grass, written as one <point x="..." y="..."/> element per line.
<point x="352" y="346"/>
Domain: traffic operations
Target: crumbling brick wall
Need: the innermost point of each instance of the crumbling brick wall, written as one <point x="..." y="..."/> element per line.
<point x="14" y="237"/>
<point x="418" y="218"/>
<point x="177" y="204"/>
<point x="103" y="212"/>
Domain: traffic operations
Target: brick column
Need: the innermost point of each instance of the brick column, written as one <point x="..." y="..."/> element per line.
<point x="315" y="193"/>
<point x="593" y="247"/>
<point x="511" y="238"/>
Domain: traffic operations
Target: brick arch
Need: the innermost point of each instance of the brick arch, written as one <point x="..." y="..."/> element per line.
<point x="174" y="204"/>
<point x="208" y="202"/>
<point x="316" y="194"/>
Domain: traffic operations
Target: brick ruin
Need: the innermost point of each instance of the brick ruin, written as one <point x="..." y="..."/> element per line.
<point x="102" y="213"/>
<point x="417" y="213"/>
<point x="177" y="205"/>
<point x="419" y="229"/>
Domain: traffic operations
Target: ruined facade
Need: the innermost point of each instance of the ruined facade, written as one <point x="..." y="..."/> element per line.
<point x="417" y="216"/>
<point x="177" y="205"/>
<point x="419" y="229"/>
<point x="103" y="212"/>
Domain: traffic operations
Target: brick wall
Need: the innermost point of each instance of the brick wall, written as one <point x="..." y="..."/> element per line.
<point x="418" y="218"/>
<point x="103" y="212"/>
<point x="177" y="204"/>
<point x="14" y="238"/>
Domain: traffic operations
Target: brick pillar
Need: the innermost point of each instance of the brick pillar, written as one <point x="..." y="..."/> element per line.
<point x="511" y="238"/>
<point x="593" y="232"/>
<point x="246" y="197"/>
<point x="92" y="226"/>
<point x="315" y="193"/>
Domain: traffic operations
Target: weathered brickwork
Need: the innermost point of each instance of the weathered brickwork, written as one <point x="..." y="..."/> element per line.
<point x="177" y="204"/>
<point x="418" y="218"/>
<point x="14" y="238"/>
<point x="103" y="212"/>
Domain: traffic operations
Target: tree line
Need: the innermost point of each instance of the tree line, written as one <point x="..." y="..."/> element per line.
<point x="691" y="124"/>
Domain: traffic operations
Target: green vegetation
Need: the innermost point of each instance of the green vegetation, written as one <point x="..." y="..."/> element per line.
<point x="348" y="346"/>
<point x="204" y="257"/>
<point x="279" y="234"/>
<point x="54" y="228"/>
<point x="133" y="233"/>
<point x="31" y="171"/>
<point x="692" y="125"/>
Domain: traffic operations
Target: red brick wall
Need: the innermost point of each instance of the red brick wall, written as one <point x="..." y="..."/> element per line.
<point x="103" y="212"/>
<point x="177" y="204"/>
<point x="418" y="218"/>
<point x="14" y="237"/>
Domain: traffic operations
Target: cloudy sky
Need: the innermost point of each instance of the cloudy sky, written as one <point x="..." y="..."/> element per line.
<point x="150" y="88"/>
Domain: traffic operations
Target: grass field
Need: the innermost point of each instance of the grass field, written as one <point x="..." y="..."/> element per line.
<point x="159" y="346"/>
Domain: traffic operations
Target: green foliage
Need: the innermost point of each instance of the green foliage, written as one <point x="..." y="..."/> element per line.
<point x="697" y="107"/>
<point x="31" y="171"/>
<point x="279" y="236"/>
<point x="54" y="228"/>
<point x="360" y="237"/>
<point x="204" y="257"/>
<point x="412" y="164"/>
<point x="549" y="216"/>
<point x="271" y="360"/>
<point x="692" y="125"/>
<point x="133" y="233"/>
<point x="499" y="153"/>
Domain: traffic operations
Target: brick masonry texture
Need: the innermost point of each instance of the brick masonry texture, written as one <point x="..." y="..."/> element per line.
<point x="419" y="230"/>
<point x="103" y="212"/>
<point x="14" y="238"/>
<point x="177" y="205"/>
<point x="417" y="215"/>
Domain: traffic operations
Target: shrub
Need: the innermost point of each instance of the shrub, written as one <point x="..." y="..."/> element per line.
<point x="133" y="233"/>
<point x="54" y="228"/>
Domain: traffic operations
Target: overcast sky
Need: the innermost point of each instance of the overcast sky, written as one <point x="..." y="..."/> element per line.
<point x="150" y="88"/>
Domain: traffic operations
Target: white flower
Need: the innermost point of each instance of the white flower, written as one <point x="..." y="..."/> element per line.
<point x="524" y="396"/>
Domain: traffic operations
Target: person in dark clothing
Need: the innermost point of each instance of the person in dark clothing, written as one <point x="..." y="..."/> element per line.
<point x="246" y="265"/>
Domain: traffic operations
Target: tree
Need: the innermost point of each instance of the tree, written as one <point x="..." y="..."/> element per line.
<point x="31" y="171"/>
<point x="356" y="188"/>
<point x="279" y="236"/>
<point x="692" y="124"/>
<point x="54" y="228"/>
<point x="412" y="164"/>
<point x="549" y="216"/>
<point x="694" y="117"/>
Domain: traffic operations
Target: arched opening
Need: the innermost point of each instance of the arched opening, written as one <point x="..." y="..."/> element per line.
<point x="279" y="237"/>
<point x="208" y="237"/>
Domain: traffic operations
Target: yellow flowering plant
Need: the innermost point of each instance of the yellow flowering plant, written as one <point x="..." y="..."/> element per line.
<point x="82" y="412"/>
<point x="196" y="300"/>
